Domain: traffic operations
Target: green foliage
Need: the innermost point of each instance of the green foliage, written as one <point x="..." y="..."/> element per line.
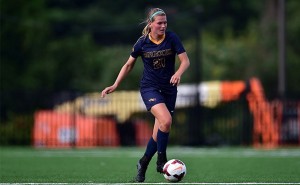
<point x="56" y="46"/>
<point x="62" y="45"/>
<point x="228" y="58"/>
<point x="23" y="34"/>
<point x="17" y="131"/>
<point x="293" y="47"/>
<point x="112" y="66"/>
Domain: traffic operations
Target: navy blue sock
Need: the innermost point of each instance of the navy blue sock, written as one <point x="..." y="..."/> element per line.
<point x="151" y="148"/>
<point x="162" y="141"/>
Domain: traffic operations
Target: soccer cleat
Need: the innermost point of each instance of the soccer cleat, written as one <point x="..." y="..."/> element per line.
<point x="141" y="172"/>
<point x="159" y="167"/>
<point x="161" y="161"/>
<point x="141" y="169"/>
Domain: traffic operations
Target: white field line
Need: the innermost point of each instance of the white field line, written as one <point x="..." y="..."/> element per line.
<point x="184" y="151"/>
<point x="200" y="183"/>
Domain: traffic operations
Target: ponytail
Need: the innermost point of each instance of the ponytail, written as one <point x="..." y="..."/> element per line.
<point x="146" y="30"/>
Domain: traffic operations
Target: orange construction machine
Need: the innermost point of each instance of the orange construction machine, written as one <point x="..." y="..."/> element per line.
<point x="89" y="110"/>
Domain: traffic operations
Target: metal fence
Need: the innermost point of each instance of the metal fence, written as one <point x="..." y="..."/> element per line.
<point x="123" y="121"/>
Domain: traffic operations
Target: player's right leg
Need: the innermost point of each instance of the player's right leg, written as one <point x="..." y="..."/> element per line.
<point x="142" y="166"/>
<point x="144" y="161"/>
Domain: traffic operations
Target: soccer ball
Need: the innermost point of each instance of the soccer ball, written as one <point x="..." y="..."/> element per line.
<point x="174" y="170"/>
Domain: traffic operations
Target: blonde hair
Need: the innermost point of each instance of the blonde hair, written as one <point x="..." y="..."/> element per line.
<point x="150" y="18"/>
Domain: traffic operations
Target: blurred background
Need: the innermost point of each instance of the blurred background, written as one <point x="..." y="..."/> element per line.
<point x="242" y="88"/>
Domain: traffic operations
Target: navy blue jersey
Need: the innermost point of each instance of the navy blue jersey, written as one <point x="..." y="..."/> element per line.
<point x="158" y="59"/>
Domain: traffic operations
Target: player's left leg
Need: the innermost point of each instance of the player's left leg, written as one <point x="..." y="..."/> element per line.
<point x="163" y="121"/>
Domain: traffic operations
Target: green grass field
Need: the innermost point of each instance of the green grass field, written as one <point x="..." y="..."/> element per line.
<point x="118" y="165"/>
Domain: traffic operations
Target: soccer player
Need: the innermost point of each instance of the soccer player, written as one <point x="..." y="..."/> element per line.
<point x="158" y="87"/>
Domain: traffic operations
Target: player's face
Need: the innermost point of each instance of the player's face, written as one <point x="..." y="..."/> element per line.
<point x="159" y="25"/>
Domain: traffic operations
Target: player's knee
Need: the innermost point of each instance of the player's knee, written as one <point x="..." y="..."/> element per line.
<point x="166" y="123"/>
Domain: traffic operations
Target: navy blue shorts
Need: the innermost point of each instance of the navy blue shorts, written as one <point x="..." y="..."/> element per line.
<point x="152" y="96"/>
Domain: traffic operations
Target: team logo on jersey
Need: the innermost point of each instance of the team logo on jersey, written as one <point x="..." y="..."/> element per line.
<point x="160" y="53"/>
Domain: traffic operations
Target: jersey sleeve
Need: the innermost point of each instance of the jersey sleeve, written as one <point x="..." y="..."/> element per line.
<point x="136" y="49"/>
<point x="177" y="45"/>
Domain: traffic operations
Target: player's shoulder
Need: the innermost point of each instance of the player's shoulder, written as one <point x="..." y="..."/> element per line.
<point x="140" y="40"/>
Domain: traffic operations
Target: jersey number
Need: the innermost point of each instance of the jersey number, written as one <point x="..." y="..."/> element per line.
<point x="159" y="63"/>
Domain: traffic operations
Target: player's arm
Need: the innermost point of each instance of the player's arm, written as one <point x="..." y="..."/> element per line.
<point x="127" y="67"/>
<point x="184" y="64"/>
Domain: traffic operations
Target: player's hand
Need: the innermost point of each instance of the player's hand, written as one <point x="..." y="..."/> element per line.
<point x="108" y="90"/>
<point x="175" y="80"/>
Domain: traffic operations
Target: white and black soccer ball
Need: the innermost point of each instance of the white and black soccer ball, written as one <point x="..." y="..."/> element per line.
<point x="174" y="170"/>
